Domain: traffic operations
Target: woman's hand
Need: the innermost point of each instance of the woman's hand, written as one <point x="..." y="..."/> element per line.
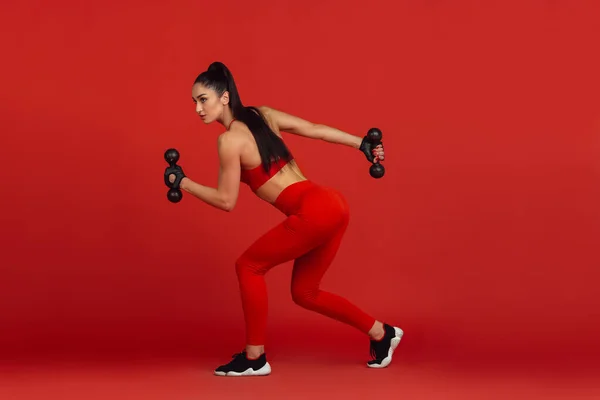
<point x="182" y="183"/>
<point x="173" y="176"/>
<point x="373" y="154"/>
<point x="378" y="153"/>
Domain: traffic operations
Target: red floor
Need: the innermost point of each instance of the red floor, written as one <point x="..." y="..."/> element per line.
<point x="293" y="378"/>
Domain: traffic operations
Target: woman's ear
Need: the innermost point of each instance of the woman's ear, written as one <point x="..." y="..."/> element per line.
<point x="225" y="98"/>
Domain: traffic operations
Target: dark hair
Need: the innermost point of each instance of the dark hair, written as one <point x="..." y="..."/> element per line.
<point x="270" y="146"/>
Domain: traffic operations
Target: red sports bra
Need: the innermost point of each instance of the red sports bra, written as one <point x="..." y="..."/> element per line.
<point x="256" y="177"/>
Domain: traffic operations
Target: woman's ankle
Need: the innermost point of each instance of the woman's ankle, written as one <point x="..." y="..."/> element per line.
<point x="377" y="331"/>
<point x="253" y="352"/>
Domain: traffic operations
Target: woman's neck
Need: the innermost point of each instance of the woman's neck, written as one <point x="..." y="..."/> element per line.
<point x="228" y="119"/>
<point x="231" y="122"/>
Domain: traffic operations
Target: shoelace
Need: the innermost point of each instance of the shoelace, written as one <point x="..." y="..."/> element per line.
<point x="375" y="346"/>
<point x="373" y="351"/>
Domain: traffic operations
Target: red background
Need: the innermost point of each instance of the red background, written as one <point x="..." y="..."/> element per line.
<point x="481" y="241"/>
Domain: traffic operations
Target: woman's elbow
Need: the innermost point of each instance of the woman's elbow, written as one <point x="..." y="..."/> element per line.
<point x="228" y="204"/>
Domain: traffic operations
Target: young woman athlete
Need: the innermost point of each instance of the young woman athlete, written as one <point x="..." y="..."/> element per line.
<point x="252" y="151"/>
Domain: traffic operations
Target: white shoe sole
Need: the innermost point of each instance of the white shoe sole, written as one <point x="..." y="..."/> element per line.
<point x="265" y="370"/>
<point x="395" y="342"/>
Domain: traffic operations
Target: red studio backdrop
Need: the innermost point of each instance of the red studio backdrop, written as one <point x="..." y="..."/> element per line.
<point x="481" y="241"/>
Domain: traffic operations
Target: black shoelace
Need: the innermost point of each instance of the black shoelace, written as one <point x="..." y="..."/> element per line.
<point x="378" y="349"/>
<point x="239" y="355"/>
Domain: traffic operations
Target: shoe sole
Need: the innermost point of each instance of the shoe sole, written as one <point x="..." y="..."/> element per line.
<point x="263" y="371"/>
<point x="393" y="345"/>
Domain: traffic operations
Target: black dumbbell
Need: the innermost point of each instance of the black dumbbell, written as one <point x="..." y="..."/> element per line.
<point x="171" y="157"/>
<point x="374" y="136"/>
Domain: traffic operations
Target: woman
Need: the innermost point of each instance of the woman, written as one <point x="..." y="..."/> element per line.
<point x="252" y="151"/>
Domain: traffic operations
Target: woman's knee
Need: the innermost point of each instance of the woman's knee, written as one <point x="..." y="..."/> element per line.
<point x="242" y="265"/>
<point x="304" y="297"/>
<point x="246" y="265"/>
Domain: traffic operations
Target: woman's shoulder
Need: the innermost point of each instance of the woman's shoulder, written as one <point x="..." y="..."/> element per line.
<point x="265" y="109"/>
<point x="235" y="134"/>
<point x="268" y="114"/>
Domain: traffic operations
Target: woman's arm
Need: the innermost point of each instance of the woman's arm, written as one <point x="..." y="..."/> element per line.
<point x="298" y="126"/>
<point x="226" y="194"/>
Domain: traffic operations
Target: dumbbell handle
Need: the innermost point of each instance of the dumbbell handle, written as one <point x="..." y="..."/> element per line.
<point x="171" y="157"/>
<point x="374" y="137"/>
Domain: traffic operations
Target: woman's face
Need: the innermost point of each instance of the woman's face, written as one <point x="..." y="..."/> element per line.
<point x="209" y="106"/>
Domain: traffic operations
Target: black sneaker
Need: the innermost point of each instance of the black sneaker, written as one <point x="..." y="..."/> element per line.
<point x="242" y="366"/>
<point x="382" y="350"/>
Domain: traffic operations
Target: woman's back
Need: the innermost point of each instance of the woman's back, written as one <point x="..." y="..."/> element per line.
<point x="251" y="162"/>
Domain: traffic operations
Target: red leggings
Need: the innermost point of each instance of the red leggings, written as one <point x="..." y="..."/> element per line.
<point x="317" y="218"/>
